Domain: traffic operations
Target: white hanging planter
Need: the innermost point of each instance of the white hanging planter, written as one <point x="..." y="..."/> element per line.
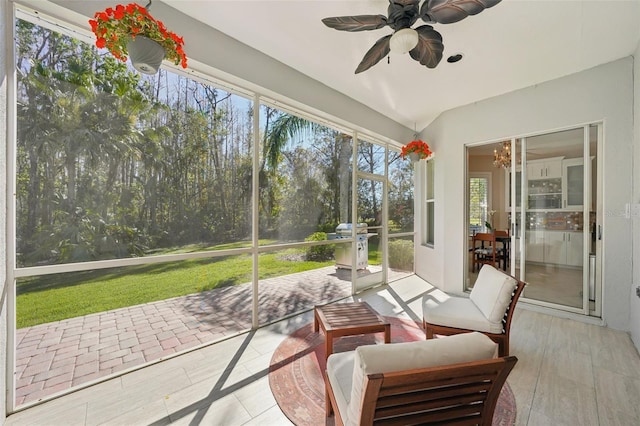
<point x="146" y="55"/>
<point x="414" y="157"/>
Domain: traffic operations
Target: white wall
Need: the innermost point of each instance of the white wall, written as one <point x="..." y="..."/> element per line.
<point x="602" y="93"/>
<point x="635" y="300"/>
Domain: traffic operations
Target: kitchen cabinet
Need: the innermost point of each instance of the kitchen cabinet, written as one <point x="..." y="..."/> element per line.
<point x="573" y="184"/>
<point x="555" y="249"/>
<point x="545" y="194"/>
<point x="547" y="168"/>
<point x="563" y="248"/>
<point x="575" y="248"/>
<point x="534" y="246"/>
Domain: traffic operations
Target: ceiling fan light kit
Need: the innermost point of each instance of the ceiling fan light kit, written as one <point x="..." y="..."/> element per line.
<point x="404" y="40"/>
<point x="424" y="43"/>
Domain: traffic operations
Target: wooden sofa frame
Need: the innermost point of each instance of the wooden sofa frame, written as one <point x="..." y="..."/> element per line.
<point x="460" y="394"/>
<point x="501" y="339"/>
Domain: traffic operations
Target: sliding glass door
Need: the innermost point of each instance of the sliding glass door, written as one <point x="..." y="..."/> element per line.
<point x="544" y="195"/>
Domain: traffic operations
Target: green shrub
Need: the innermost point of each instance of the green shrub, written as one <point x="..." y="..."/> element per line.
<point x="393" y="226"/>
<point x="401" y="255"/>
<point x="327" y="227"/>
<point x="319" y="253"/>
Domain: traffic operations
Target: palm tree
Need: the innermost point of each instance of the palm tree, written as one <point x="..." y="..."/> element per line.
<point x="277" y="133"/>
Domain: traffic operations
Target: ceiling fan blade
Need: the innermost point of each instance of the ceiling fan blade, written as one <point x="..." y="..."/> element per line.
<point x="449" y="11"/>
<point x="373" y="56"/>
<point x="404" y="2"/>
<point x="429" y="48"/>
<point x="356" y="23"/>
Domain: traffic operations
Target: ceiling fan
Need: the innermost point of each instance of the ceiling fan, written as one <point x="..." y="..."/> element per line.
<point x="424" y="44"/>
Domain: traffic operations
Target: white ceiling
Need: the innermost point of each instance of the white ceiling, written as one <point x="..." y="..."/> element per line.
<point x="516" y="44"/>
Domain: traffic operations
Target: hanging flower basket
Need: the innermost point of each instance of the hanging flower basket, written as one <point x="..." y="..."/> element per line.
<point x="416" y="150"/>
<point x="117" y="28"/>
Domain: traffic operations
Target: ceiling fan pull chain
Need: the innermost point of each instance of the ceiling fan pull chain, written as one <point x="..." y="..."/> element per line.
<point x="388" y="59"/>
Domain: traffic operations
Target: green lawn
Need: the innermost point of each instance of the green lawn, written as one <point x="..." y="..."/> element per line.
<point x="55" y="297"/>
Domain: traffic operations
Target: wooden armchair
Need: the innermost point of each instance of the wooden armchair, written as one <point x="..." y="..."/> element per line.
<point x="489" y="309"/>
<point x="453" y="380"/>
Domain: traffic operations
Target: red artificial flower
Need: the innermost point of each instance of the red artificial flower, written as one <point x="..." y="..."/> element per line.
<point x="119" y="13"/>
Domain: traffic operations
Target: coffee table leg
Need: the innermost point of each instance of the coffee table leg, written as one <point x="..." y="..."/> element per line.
<point x="387" y="333"/>
<point x="315" y="320"/>
<point x="328" y="343"/>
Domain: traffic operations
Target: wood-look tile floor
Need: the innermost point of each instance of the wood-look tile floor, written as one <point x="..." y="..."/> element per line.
<point x="549" y="283"/>
<point x="568" y="373"/>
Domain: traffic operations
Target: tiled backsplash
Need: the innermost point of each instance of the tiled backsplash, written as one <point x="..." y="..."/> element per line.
<point x="557" y="221"/>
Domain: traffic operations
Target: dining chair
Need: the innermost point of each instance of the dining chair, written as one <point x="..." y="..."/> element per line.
<point x="484" y="250"/>
<point x="502" y="249"/>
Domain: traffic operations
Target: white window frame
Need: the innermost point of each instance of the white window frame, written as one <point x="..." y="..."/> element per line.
<point x="429" y="189"/>
<point x="487" y="176"/>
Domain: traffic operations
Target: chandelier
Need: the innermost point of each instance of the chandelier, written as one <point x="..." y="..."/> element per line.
<point x="502" y="158"/>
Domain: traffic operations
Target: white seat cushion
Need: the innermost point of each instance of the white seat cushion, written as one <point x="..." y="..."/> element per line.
<point x="485" y="251"/>
<point x="492" y="293"/>
<point x="340" y="374"/>
<point x="373" y="359"/>
<point x="459" y="312"/>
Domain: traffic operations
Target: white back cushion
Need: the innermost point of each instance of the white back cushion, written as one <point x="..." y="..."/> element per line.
<point x="492" y="292"/>
<point x="447" y="350"/>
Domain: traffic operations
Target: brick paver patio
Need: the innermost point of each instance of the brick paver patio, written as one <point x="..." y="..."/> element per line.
<point x="53" y="357"/>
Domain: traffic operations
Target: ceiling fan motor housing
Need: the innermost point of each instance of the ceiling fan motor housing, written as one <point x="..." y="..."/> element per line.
<point x="402" y="14"/>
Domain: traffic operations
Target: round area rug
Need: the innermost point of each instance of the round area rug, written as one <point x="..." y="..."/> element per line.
<point x="297" y="366"/>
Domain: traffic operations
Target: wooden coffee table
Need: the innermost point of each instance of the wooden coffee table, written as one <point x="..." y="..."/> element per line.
<point x="348" y="319"/>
